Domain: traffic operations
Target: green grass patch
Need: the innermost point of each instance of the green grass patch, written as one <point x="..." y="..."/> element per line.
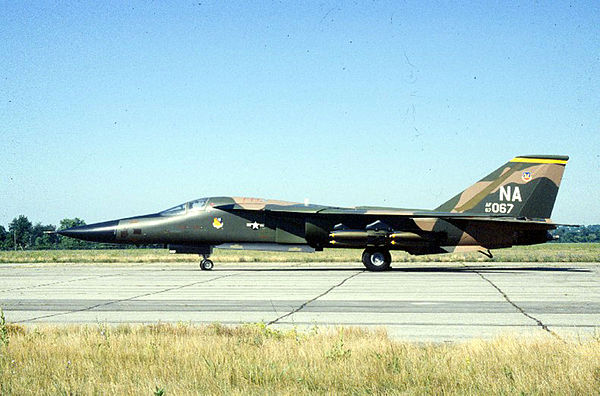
<point x="550" y="252"/>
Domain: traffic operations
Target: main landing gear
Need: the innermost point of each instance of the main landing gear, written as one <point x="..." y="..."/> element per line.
<point x="377" y="259"/>
<point x="206" y="264"/>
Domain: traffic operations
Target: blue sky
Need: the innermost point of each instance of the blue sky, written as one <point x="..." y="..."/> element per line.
<point x="112" y="109"/>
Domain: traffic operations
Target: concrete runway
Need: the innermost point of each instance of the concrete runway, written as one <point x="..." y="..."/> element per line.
<point x="415" y="301"/>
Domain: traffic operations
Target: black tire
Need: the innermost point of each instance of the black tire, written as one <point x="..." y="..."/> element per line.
<point x="377" y="260"/>
<point x="206" y="265"/>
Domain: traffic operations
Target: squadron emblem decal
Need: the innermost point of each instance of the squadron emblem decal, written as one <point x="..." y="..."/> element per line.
<point x="526" y="176"/>
<point x="218" y="223"/>
<point x="255" y="226"/>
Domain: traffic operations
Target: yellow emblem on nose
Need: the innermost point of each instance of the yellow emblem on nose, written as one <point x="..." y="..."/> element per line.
<point x="218" y="223"/>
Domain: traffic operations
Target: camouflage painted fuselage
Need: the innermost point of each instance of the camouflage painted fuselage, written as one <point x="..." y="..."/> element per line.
<point x="511" y="206"/>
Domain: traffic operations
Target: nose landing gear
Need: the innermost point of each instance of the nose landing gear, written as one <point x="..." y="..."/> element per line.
<point x="377" y="259"/>
<point x="203" y="250"/>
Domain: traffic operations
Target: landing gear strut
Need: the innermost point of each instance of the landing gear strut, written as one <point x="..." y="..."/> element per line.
<point x="203" y="250"/>
<point x="377" y="259"/>
<point x="206" y="264"/>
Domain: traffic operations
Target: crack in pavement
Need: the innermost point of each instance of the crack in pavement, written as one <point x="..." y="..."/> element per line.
<point x="517" y="307"/>
<point x="313" y="299"/>
<point x="65" y="281"/>
<point x="125" y="299"/>
<point x="58" y="282"/>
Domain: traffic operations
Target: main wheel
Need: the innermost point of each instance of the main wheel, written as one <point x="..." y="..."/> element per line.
<point x="377" y="259"/>
<point x="206" y="265"/>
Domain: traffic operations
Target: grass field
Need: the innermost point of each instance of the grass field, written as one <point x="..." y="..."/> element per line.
<point x="551" y="252"/>
<point x="254" y="359"/>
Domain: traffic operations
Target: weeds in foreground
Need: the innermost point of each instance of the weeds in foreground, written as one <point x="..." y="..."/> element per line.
<point x="216" y="359"/>
<point x="4" y="336"/>
<point x="338" y="351"/>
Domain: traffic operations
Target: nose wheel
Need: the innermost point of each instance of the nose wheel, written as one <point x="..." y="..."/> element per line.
<point x="206" y="264"/>
<point x="377" y="259"/>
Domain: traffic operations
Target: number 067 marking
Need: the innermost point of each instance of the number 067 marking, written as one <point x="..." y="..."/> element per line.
<point x="495" y="207"/>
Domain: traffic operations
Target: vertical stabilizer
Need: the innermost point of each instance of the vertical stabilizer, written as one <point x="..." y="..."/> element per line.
<point x="525" y="186"/>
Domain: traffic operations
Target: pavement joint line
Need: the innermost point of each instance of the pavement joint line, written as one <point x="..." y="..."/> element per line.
<point x="273" y="306"/>
<point x="521" y="310"/>
<point x="313" y="299"/>
<point x="58" y="282"/>
<point x="126" y="299"/>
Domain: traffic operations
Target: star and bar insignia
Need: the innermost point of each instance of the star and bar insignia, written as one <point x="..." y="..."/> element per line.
<point x="255" y="225"/>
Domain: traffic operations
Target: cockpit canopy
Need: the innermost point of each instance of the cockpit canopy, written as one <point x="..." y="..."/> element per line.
<point x="191" y="206"/>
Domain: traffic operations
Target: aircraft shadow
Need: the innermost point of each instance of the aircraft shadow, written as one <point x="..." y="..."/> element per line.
<point x="457" y="269"/>
<point x="490" y="269"/>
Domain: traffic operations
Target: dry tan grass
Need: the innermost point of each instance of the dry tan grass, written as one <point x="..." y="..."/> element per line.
<point x="576" y="252"/>
<point x="254" y="359"/>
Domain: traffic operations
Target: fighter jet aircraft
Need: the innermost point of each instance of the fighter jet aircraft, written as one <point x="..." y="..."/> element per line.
<point x="510" y="206"/>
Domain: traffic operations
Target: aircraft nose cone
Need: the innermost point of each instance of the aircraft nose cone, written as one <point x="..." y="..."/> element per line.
<point x="99" y="232"/>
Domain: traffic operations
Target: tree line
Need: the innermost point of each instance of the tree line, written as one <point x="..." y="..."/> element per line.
<point x="22" y="234"/>
<point x="590" y="233"/>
